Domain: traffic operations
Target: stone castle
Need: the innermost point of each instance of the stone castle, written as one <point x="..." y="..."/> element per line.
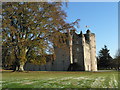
<point x="80" y="56"/>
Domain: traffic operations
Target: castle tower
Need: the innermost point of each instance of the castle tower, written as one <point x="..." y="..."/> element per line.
<point x="86" y="52"/>
<point x="78" y="51"/>
<point x="92" y="48"/>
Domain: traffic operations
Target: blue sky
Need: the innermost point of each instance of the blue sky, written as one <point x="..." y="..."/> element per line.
<point x="102" y="19"/>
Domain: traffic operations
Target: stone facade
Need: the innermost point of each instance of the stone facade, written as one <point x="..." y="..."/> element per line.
<point x="79" y="55"/>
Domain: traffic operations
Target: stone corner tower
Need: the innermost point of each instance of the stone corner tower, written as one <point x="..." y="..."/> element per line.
<point x="90" y="61"/>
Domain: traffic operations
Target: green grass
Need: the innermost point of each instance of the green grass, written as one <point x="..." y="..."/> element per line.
<point x="47" y="79"/>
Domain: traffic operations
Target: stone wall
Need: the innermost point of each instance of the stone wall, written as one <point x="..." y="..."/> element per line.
<point x="61" y="63"/>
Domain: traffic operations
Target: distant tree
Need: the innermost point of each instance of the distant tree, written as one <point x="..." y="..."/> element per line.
<point x="116" y="61"/>
<point x="29" y="29"/>
<point x="104" y="58"/>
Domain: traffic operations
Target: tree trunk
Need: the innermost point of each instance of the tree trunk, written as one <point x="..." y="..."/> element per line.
<point x="18" y="68"/>
<point x="22" y="59"/>
<point x="21" y="69"/>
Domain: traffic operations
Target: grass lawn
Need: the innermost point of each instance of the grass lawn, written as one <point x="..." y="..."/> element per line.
<point x="48" y="79"/>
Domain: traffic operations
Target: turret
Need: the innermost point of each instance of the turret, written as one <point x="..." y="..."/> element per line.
<point x="82" y="37"/>
<point x="88" y="31"/>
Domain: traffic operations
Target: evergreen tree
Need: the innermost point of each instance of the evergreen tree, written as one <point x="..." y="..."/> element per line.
<point x="104" y="58"/>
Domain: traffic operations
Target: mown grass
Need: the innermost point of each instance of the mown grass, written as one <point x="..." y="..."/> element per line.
<point x="48" y="79"/>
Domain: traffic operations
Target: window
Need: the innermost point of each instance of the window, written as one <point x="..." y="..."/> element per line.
<point x="75" y="60"/>
<point x="77" y="49"/>
<point x="77" y="42"/>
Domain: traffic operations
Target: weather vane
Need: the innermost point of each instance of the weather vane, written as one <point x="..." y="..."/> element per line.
<point x="87" y="26"/>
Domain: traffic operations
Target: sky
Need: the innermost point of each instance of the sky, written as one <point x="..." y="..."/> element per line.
<point x="102" y="19"/>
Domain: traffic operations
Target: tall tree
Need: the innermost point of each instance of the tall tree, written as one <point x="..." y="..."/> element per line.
<point x="104" y="58"/>
<point x="30" y="28"/>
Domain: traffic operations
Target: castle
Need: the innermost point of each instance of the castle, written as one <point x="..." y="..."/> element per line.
<point x="80" y="56"/>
